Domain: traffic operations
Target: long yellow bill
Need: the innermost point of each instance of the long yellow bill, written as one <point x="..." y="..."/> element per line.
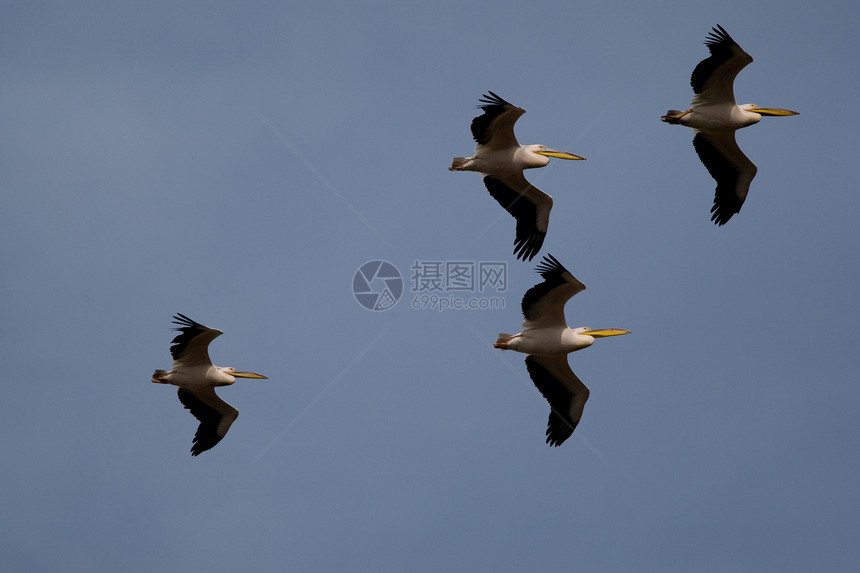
<point x="241" y="374"/>
<point x="606" y="332"/>
<point x="774" y="111"/>
<point x="559" y="154"/>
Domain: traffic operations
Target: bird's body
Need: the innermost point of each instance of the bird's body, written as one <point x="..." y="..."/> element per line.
<point x="547" y="341"/>
<point x="719" y="117"/>
<point x="537" y="339"/>
<point x="197" y="378"/>
<point x="501" y="160"/>
<point x="714" y="116"/>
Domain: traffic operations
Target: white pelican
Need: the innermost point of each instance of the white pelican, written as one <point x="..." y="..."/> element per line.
<point x="714" y="116"/>
<point x="501" y="160"/>
<point x="547" y="340"/>
<point x="197" y="378"/>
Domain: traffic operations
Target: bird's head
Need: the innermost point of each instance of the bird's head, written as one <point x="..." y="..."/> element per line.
<point x="241" y="373"/>
<point x="768" y="111"/>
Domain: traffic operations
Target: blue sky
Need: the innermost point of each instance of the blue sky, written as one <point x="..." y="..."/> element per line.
<point x="238" y="162"/>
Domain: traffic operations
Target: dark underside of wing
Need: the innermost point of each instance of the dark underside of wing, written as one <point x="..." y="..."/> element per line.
<point x="207" y="436"/>
<point x="560" y="425"/>
<point x="726" y="60"/>
<point x="529" y="237"/>
<point x="553" y="292"/>
<point x="499" y="115"/>
<point x="733" y="177"/>
<point x="188" y="331"/>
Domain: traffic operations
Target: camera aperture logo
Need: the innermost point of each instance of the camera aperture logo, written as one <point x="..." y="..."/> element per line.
<point x="436" y="285"/>
<point x="377" y="285"/>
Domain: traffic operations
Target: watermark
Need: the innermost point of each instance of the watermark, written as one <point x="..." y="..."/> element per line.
<point x="451" y="302"/>
<point x="377" y="285"/>
<point x="435" y="285"/>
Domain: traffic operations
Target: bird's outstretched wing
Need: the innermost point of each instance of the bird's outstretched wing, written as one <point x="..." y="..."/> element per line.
<point x="191" y="346"/>
<point x="565" y="393"/>
<point x="544" y="303"/>
<point x="713" y="78"/>
<point x="495" y="127"/>
<point x="529" y="206"/>
<point x="731" y="169"/>
<point x="215" y="415"/>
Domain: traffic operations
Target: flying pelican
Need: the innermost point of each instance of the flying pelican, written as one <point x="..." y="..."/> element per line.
<point x="197" y="378"/>
<point x="547" y="341"/>
<point x="714" y="117"/>
<point x="501" y="160"/>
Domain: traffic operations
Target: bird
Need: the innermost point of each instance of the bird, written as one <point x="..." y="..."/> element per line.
<point x="501" y="160"/>
<point x="197" y="378"/>
<point x="714" y="117"/>
<point x="547" y="340"/>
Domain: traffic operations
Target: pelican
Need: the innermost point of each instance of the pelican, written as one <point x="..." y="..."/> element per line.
<point x="547" y="341"/>
<point x="197" y="378"/>
<point x="501" y="160"/>
<point x="714" y="117"/>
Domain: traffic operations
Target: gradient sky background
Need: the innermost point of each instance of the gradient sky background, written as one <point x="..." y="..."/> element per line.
<point x="237" y="162"/>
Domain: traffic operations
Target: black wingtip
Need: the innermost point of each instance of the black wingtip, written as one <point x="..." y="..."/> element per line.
<point x="718" y="35"/>
<point x="198" y="447"/>
<point x="526" y="248"/>
<point x="721" y="216"/>
<point x="553" y="440"/>
<point x="490" y="99"/>
<point x="549" y="265"/>
<point x="183" y="320"/>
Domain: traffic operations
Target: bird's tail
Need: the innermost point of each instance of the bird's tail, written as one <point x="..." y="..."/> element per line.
<point x="159" y="375"/>
<point x="672" y="116"/>
<point x="503" y="341"/>
<point x="458" y="163"/>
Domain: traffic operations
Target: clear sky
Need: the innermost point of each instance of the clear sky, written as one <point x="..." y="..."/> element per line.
<point x="238" y="162"/>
